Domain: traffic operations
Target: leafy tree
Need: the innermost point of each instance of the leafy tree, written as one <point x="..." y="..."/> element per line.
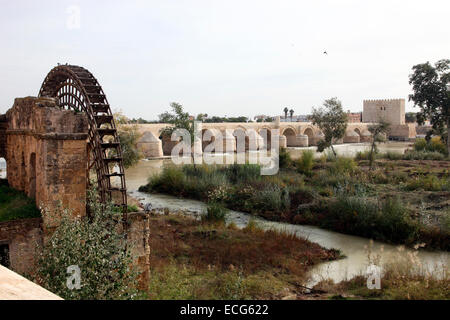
<point x="410" y="117"/>
<point x="332" y="121"/>
<point x="94" y="245"/>
<point x="431" y="94"/>
<point x="129" y="136"/>
<point x="202" y="116"/>
<point x="291" y="113"/>
<point x="179" y="120"/>
<point x="378" y="130"/>
<point x="285" y="110"/>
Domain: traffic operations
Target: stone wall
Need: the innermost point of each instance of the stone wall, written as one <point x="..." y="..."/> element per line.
<point x="48" y="160"/>
<point x="138" y="236"/>
<point x="21" y="236"/>
<point x="403" y="132"/>
<point x="390" y="110"/>
<point x="3" y="128"/>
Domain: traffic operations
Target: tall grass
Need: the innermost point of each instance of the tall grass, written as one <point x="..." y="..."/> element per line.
<point x="306" y="162"/>
<point x="215" y="212"/>
<point x="387" y="220"/>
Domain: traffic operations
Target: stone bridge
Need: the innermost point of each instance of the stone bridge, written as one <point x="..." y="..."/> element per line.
<point x="292" y="134"/>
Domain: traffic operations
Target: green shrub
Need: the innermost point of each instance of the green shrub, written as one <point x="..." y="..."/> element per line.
<point x="285" y="160"/>
<point x="237" y="173"/>
<point x="423" y="155"/>
<point x="436" y="145"/>
<point x="385" y="221"/>
<point x="420" y="144"/>
<point x="392" y="155"/>
<point x="215" y="212"/>
<point x="94" y="245"/>
<point x="306" y="162"/>
<point x="428" y="183"/>
<point x="362" y="155"/>
<point x="272" y="198"/>
<point x="343" y="165"/>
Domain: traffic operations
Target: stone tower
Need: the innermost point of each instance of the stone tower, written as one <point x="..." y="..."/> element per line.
<point x="390" y="110"/>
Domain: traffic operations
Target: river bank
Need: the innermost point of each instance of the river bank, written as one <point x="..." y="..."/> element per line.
<point x="197" y="259"/>
<point x="353" y="247"/>
<point x="401" y="202"/>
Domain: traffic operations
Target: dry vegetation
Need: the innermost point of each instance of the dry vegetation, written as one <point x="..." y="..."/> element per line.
<point x="191" y="259"/>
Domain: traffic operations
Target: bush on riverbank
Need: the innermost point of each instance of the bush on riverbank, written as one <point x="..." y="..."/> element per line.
<point x="387" y="220"/>
<point x="340" y="195"/>
<point x="215" y="212"/>
<point x="434" y="145"/>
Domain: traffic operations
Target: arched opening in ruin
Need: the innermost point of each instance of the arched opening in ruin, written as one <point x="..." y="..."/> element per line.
<point x="32" y="177"/>
<point x="289" y="133"/>
<point x="358" y="131"/>
<point x="208" y="137"/>
<point x="3" y="168"/>
<point x="242" y="140"/>
<point x="167" y="144"/>
<point x="266" y="134"/>
<point x="310" y="133"/>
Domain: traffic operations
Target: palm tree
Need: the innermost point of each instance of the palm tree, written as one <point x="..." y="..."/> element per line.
<point x="291" y="112"/>
<point x="286" y="110"/>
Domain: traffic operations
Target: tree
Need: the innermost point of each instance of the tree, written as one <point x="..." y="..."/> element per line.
<point x="285" y="110"/>
<point x="332" y="121"/>
<point x="95" y="246"/>
<point x="378" y="130"/>
<point x="410" y="117"/>
<point x="291" y="113"/>
<point x="202" y="116"/>
<point x="179" y="120"/>
<point x="431" y="95"/>
<point x="128" y="136"/>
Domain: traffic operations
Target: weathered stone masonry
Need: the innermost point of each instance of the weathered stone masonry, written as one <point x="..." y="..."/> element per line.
<point x="21" y="236"/>
<point x="47" y="154"/>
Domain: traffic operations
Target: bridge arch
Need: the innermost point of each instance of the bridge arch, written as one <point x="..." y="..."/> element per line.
<point x="290" y="135"/>
<point x="309" y="131"/>
<point x="266" y="135"/>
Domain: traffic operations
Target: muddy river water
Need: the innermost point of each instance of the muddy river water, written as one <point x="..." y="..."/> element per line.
<point x="354" y="248"/>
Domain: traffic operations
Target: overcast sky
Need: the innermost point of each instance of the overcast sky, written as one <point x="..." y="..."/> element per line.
<point x="224" y="57"/>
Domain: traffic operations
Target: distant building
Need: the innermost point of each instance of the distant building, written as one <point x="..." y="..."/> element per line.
<point x="390" y="110"/>
<point x="298" y="118"/>
<point x="354" y="117"/>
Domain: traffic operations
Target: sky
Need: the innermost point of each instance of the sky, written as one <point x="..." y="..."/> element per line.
<point x="224" y="58"/>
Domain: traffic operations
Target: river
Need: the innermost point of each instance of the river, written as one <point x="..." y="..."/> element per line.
<point x="354" y="248"/>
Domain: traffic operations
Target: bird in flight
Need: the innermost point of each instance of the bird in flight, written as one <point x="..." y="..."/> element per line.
<point x="325" y="52"/>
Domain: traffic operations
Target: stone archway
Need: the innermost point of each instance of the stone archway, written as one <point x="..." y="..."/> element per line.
<point x="310" y="133"/>
<point x="266" y="135"/>
<point x="358" y="131"/>
<point x="289" y="133"/>
<point x="242" y="139"/>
